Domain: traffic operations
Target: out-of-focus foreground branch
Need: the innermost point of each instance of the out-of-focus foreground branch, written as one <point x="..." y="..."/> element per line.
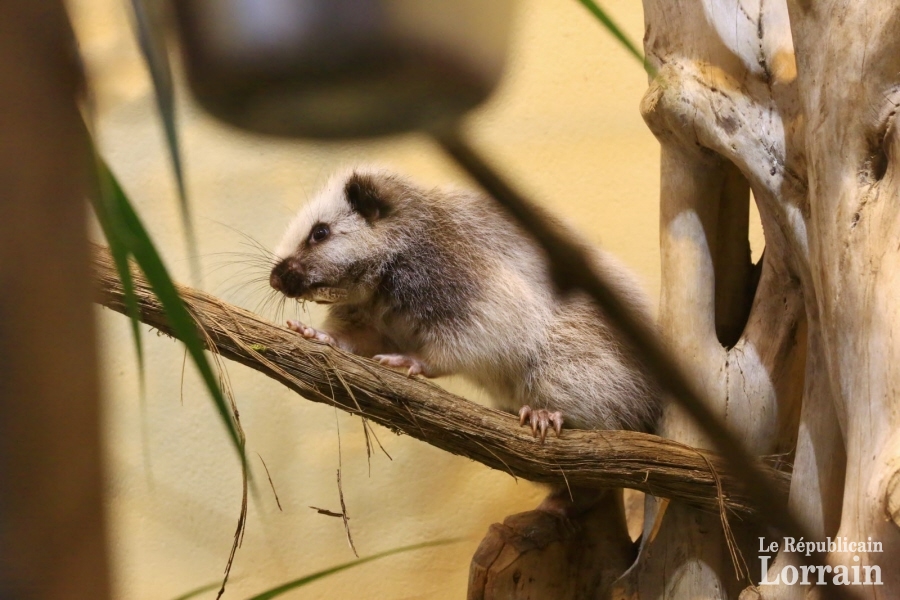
<point x="598" y="459"/>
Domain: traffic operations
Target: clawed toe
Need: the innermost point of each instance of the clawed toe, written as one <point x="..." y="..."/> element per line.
<point x="541" y="420"/>
<point x="399" y="361"/>
<point x="309" y="333"/>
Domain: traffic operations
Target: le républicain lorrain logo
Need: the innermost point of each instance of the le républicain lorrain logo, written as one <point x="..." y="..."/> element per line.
<point x="853" y="574"/>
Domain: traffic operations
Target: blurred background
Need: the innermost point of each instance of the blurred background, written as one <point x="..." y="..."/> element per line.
<point x="564" y="125"/>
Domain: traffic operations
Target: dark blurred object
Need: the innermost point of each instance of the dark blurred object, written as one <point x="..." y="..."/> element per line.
<point x="342" y="68"/>
<point x="52" y="527"/>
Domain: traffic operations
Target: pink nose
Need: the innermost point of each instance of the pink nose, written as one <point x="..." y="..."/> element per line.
<point x="275" y="281"/>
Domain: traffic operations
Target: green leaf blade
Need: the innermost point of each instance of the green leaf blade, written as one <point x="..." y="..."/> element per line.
<point x="129" y="229"/>
<point x="604" y="18"/>
<point x="151" y="40"/>
<point x="112" y="229"/>
<point x="286" y="587"/>
<point x="200" y="590"/>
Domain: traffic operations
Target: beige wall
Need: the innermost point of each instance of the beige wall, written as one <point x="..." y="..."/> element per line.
<point x="565" y="125"/>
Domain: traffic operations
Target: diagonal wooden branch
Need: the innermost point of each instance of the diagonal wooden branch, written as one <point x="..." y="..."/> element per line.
<point x="598" y="459"/>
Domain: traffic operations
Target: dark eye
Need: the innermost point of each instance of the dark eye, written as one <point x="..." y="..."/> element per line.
<point x="319" y="233"/>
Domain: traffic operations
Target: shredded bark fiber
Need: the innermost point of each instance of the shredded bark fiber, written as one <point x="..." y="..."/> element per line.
<point x="422" y="410"/>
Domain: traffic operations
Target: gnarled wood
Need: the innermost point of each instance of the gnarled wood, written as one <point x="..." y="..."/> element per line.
<point x="711" y="105"/>
<point x="814" y="137"/>
<point x="540" y="554"/>
<point x="848" y="64"/>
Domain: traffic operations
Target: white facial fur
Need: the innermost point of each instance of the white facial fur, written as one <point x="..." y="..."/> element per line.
<point x="350" y="241"/>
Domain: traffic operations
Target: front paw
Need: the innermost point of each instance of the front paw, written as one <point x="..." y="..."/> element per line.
<point x="400" y="361"/>
<point x="540" y="420"/>
<point x="310" y="333"/>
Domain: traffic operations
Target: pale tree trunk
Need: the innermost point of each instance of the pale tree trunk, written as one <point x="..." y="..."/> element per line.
<point x="814" y="142"/>
<point x="801" y="353"/>
<point x="848" y="56"/>
<point x="723" y="108"/>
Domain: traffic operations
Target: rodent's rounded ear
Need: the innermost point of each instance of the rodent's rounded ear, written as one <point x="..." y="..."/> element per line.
<point x="364" y="198"/>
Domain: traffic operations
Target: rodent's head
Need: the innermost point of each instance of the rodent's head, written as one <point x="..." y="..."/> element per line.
<point x="333" y="250"/>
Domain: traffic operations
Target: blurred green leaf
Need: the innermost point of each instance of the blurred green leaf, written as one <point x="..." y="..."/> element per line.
<point x="614" y="29"/>
<point x="110" y="226"/>
<point x="320" y="574"/>
<point x="151" y="39"/>
<point x="196" y="592"/>
<point x="128" y="238"/>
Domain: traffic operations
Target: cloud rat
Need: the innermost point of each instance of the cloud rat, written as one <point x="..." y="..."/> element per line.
<point x="442" y="282"/>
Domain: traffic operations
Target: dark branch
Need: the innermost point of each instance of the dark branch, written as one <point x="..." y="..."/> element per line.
<point x="573" y="270"/>
<point x="598" y="459"/>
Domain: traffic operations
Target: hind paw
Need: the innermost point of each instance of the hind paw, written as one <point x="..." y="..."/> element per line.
<point x="541" y="420"/>
<point x="401" y="361"/>
<point x="310" y="333"/>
